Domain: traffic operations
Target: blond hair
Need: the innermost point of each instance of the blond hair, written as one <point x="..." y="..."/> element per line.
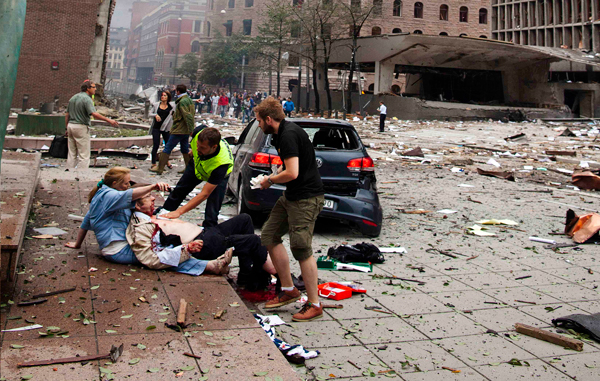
<point x="114" y="175"/>
<point x="270" y="107"/>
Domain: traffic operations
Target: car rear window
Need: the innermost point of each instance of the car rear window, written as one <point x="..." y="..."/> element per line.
<point x="331" y="138"/>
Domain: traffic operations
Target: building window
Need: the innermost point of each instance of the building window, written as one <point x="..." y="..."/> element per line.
<point x="172" y="49"/>
<point x="297" y="3"/>
<point x="109" y="65"/>
<point x="228" y="28"/>
<point x="444" y="12"/>
<point x="462" y="35"/>
<point x="396" y="30"/>
<point x="377" y="7"/>
<point x="195" y="47"/>
<point x="463" y="14"/>
<point x="294" y="60"/>
<point x="249" y="3"/>
<point x="483" y="36"/>
<point x="483" y="16"/>
<point x="295" y="29"/>
<point x="375" y="31"/>
<point x="212" y="4"/>
<point x="443" y="34"/>
<point x="351" y="31"/>
<point x="197" y="24"/>
<point x="231" y="4"/>
<point x="247" y="27"/>
<point x="170" y="63"/>
<point x="418" y="10"/>
<point x="417" y="32"/>
<point x="208" y="28"/>
<point x="397" y="8"/>
<point x="327" y="31"/>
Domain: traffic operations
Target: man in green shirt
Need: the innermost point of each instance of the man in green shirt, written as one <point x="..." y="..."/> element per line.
<point x="78" y="122"/>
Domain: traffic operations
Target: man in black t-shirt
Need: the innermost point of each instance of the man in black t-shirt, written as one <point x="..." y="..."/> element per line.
<point x="295" y="212"/>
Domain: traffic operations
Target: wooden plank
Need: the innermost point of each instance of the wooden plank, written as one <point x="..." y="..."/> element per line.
<point x="181" y="313"/>
<point x="550" y="337"/>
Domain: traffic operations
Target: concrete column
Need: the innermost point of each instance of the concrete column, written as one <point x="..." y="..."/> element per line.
<point x="99" y="44"/>
<point x="384" y="75"/>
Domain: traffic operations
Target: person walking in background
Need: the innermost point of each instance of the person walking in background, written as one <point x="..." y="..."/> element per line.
<point x="162" y="119"/>
<point x="215" y="103"/>
<point x="246" y="109"/>
<point x="238" y="106"/>
<point x="288" y="107"/>
<point x="78" y="122"/>
<point x="183" y="125"/>
<point x="382" y="114"/>
<point x="223" y="102"/>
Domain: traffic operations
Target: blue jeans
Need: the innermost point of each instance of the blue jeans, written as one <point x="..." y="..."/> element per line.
<point x="186" y="184"/>
<point x="246" y="115"/>
<point x="223" y="111"/>
<point x="183" y="140"/>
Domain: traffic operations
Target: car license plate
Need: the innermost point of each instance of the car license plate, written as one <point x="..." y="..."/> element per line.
<point x="329" y="204"/>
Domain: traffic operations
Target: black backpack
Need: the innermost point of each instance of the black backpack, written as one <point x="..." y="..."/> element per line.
<point x="361" y="252"/>
<point x="59" y="147"/>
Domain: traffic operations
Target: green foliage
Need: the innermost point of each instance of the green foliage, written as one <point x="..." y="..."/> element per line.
<point x="189" y="67"/>
<point x="222" y="60"/>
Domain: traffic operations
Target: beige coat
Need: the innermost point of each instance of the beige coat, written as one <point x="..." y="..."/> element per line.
<point x="139" y="236"/>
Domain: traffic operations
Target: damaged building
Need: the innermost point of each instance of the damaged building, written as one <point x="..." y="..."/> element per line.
<point x="64" y="43"/>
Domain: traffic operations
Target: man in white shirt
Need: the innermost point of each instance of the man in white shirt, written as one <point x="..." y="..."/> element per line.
<point x="382" y="114"/>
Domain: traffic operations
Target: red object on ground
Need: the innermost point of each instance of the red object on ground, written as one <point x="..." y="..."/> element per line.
<point x="335" y="291"/>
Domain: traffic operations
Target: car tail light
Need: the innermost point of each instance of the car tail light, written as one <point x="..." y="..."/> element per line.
<point x="367" y="222"/>
<point x="264" y="160"/>
<point x="361" y="164"/>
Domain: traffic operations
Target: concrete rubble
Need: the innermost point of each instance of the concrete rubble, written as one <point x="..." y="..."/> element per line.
<point x="469" y="269"/>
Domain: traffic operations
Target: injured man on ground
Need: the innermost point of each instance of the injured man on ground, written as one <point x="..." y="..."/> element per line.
<point x="161" y="243"/>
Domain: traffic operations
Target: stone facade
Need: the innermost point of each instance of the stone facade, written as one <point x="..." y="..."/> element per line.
<point x="454" y="18"/>
<point x="116" y="54"/>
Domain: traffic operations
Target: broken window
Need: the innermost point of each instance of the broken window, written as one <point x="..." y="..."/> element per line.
<point x="483" y="16"/>
<point x="444" y="12"/>
<point x="396" y="30"/>
<point x="326" y="31"/>
<point x="464" y="14"/>
<point x="418" y="10"/>
<point x="195" y="47"/>
<point x="377" y="7"/>
<point x="247" y="27"/>
<point x="375" y="31"/>
<point x="397" y="10"/>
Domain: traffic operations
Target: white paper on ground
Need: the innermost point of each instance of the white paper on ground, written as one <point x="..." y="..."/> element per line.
<point x="494" y="163"/>
<point x="348" y="266"/>
<point x="466" y="185"/>
<point x="27" y="328"/>
<point x="497" y="222"/>
<point x="478" y="230"/>
<point x="400" y="250"/>
<point x="273" y="319"/>
<point x="51" y="231"/>
<point x="446" y="211"/>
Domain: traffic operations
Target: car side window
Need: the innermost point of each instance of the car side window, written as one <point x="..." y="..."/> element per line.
<point x="244" y="135"/>
<point x="253" y="132"/>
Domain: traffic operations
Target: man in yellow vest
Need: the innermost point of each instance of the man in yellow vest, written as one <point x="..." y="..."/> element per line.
<point x="212" y="163"/>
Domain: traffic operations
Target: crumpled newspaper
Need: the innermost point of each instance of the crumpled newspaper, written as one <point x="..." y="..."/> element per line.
<point x="255" y="181"/>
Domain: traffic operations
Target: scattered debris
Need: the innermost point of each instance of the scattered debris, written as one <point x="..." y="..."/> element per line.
<point x="506" y="175"/>
<point x="113" y="355"/>
<point x="549" y="336"/>
<point x="587" y="324"/>
<point x="182" y="312"/>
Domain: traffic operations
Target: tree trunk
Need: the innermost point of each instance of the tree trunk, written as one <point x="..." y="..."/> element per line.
<point x="317" y="97"/>
<point x="352" y="65"/>
<point x="278" y="70"/>
<point x="327" y="90"/>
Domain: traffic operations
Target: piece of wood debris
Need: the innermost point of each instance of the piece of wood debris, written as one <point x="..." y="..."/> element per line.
<point x="220" y="314"/>
<point x="53" y="293"/>
<point x="182" y="312"/>
<point x="550" y="337"/>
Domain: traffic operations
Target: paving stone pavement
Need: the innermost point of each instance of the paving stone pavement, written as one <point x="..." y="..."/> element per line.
<point x="444" y="321"/>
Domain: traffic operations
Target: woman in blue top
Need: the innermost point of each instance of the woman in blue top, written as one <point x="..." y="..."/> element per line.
<point x="111" y="203"/>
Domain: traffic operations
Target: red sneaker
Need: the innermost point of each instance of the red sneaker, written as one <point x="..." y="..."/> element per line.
<point x="283" y="298"/>
<point x="308" y="312"/>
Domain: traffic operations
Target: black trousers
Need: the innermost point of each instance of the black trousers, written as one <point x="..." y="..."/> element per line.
<point x="156" y="134"/>
<point x="186" y="184"/>
<point x="382" y="122"/>
<point x="237" y="232"/>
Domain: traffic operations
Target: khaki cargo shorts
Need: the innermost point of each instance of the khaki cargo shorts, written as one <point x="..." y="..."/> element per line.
<point x="296" y="218"/>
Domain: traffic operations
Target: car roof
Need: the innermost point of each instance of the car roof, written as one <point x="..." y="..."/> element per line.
<point x="324" y="122"/>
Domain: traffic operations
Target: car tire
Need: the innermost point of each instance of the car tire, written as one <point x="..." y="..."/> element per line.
<point x="241" y="206"/>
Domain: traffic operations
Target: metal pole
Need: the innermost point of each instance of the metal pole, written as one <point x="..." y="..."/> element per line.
<point x="300" y="78"/>
<point x="243" y="63"/>
<point x="307" y="86"/>
<point x="177" y="51"/>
